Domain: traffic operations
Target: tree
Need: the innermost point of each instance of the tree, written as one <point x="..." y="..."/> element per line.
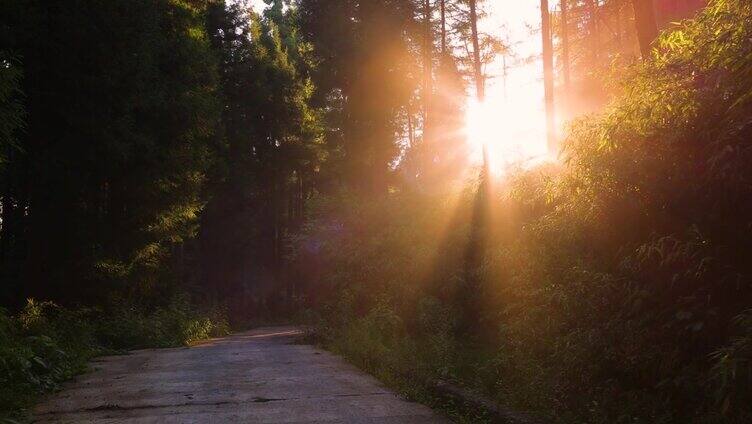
<point x="548" y="74"/>
<point x="268" y="156"/>
<point x="115" y="152"/>
<point x="593" y="8"/>
<point x="427" y="67"/>
<point x="564" y="28"/>
<point x="12" y="117"/>
<point x="11" y="109"/>
<point x="646" y="26"/>
<point x="477" y="65"/>
<point x="428" y="121"/>
<point x="366" y="77"/>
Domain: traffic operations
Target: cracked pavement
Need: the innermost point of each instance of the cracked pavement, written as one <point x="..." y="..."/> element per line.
<point x="260" y="376"/>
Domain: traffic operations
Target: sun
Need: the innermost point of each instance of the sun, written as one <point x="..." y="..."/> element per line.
<point x="505" y="132"/>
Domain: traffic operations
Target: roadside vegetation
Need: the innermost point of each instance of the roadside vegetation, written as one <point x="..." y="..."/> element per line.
<point x="44" y="344"/>
<point x="613" y="288"/>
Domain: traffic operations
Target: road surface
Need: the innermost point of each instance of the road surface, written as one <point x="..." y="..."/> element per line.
<point x="260" y="376"/>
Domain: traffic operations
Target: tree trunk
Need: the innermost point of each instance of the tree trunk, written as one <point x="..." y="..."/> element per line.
<point x="619" y="31"/>
<point x="479" y="82"/>
<point x="595" y="44"/>
<point x="427" y="68"/>
<point x="548" y="74"/>
<point x="565" y="43"/>
<point x="276" y="184"/>
<point x="647" y="29"/>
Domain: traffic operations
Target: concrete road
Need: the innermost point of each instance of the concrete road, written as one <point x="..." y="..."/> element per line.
<point x="255" y="377"/>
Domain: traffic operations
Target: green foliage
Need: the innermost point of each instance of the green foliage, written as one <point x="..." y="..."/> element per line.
<point x="271" y="149"/>
<point x="109" y="172"/>
<point x="614" y="288"/>
<point x="11" y="109"/>
<point x="175" y="324"/>
<point x="44" y="344"/>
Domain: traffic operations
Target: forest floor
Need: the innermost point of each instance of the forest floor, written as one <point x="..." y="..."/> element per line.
<point x="261" y="376"/>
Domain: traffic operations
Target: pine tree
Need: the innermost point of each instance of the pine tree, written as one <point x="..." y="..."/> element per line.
<point x="269" y="155"/>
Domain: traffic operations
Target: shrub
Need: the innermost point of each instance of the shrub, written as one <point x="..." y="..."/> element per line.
<point x="44" y="344"/>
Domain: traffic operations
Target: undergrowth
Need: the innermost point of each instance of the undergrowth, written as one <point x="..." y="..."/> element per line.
<point x="44" y="344"/>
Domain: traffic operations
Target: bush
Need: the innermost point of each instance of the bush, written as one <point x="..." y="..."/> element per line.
<point x="175" y="324"/>
<point x="44" y="344"/>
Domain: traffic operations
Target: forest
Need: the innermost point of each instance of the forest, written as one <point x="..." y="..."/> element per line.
<point x="554" y="211"/>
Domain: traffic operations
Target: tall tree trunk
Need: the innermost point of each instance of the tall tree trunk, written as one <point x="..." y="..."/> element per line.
<point x="647" y="28"/>
<point x="277" y="222"/>
<point x="470" y="296"/>
<point x="427" y="68"/>
<point x="548" y="74"/>
<point x="565" y="43"/>
<point x="595" y="44"/>
<point x="477" y="66"/>
<point x="619" y="30"/>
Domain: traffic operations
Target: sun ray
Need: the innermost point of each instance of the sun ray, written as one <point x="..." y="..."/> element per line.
<point x="502" y="130"/>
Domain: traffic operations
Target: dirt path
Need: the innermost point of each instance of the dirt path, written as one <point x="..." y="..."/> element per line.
<point x="254" y="377"/>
